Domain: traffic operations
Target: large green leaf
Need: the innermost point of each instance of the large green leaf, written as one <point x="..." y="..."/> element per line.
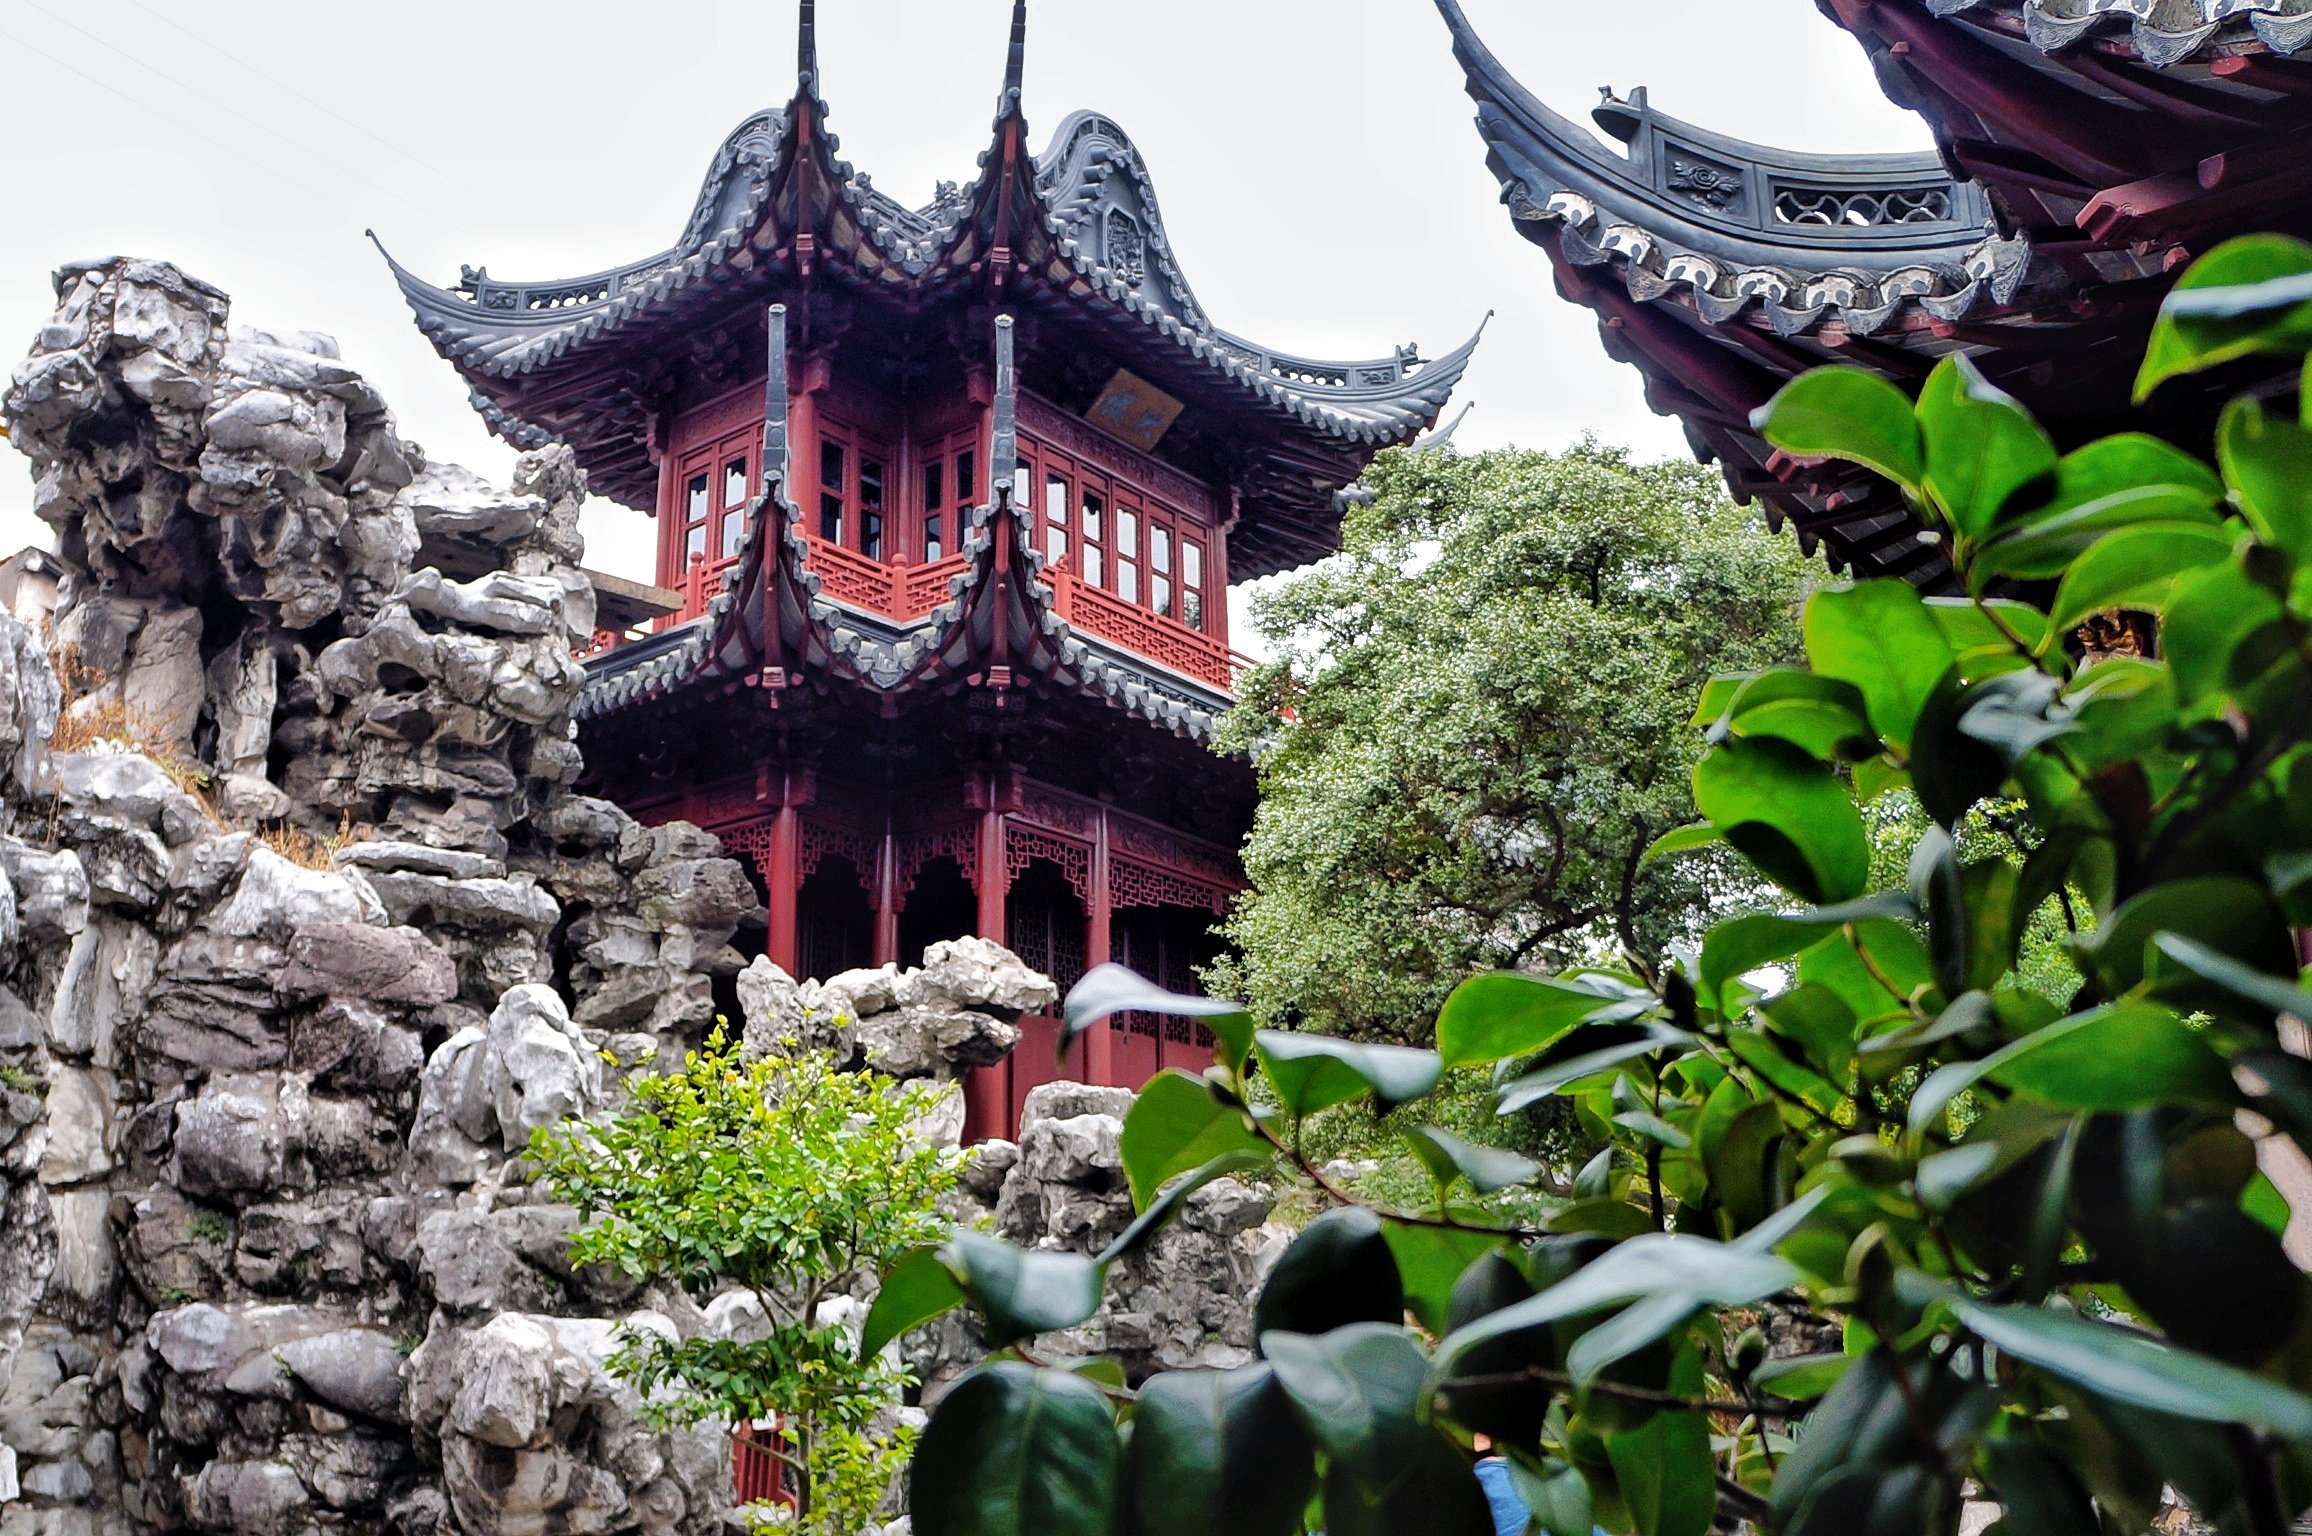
<point x="2136" y="1368"/>
<point x="1358" y="1392"/>
<point x="1217" y="1453"/>
<point x="1560" y="1067"/>
<point x="1664" y="1468"/>
<point x="2126" y="1055"/>
<point x="1985" y="644"/>
<point x="1879" y="636"/>
<point x="2268" y="460"/>
<point x="2212" y="615"/>
<point x="2041" y="545"/>
<point x="1845" y="413"/>
<point x="1109" y="989"/>
<point x="1340" y="1270"/>
<point x="2134" y="568"/>
<point x="1016" y="1451"/>
<point x="1316" y="1072"/>
<point x="2265" y="994"/>
<point x="1506" y="1013"/>
<point x="1432" y="1260"/>
<point x="1738" y="945"/>
<point x="1789" y="816"/>
<point x="915" y="1290"/>
<point x="1982" y="446"/>
<point x="2247" y="295"/>
<point x="1824" y="715"/>
<point x="1022" y="1292"/>
<point x="2232" y="916"/>
<point x="1447" y="1157"/>
<point x="1670" y="1276"/>
<point x="1175" y="1125"/>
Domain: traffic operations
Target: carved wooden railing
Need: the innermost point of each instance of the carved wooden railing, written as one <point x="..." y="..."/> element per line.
<point x="1167" y="642"/>
<point x="907" y="592"/>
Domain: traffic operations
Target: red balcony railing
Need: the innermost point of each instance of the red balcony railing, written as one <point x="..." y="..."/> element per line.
<point x="1167" y="642"/>
<point x="907" y="592"/>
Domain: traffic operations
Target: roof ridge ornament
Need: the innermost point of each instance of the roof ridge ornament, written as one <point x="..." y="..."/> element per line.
<point x="1015" y="56"/>
<point x="807" y="48"/>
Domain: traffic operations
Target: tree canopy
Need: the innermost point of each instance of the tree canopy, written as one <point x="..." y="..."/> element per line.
<point x="1477" y="721"/>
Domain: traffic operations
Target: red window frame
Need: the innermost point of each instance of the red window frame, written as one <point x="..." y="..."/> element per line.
<point x="1105" y="529"/>
<point x="847" y="505"/>
<point x="714" y="483"/>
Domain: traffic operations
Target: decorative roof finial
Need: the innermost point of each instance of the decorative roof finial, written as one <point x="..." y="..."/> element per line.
<point x="807" y="46"/>
<point x="1004" y="450"/>
<point x="1016" y="59"/>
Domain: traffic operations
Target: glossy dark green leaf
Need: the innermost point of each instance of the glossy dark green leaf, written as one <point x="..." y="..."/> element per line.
<point x="1016" y="1451"/>
<point x="2212" y="617"/>
<point x="2268" y="460"/>
<point x="1559" y="1499"/>
<point x="1110" y="989"/>
<point x="1532" y="1087"/>
<point x="1316" y="1072"/>
<point x="1679" y="840"/>
<point x="2039" y="547"/>
<point x="1802" y="1378"/>
<point x="1738" y="945"/>
<point x="2232" y="916"/>
<point x="1217" y="1453"/>
<point x="1173" y="1196"/>
<point x="1022" y="1292"/>
<point x="1674" y="1275"/>
<point x="1447" y="1157"/>
<point x="916" y="1289"/>
<point x="1178" y="1124"/>
<point x="1432" y="1491"/>
<point x="1507" y="1013"/>
<point x="2121" y="1056"/>
<point x="1950" y="769"/>
<point x="1603" y="1216"/>
<point x="1820" y="1024"/>
<point x="2134" y="568"/>
<point x="2264" y="993"/>
<point x="1667" y="1478"/>
<point x="2238" y="299"/>
<point x="1339" y="1271"/>
<point x="2132" y="1367"/>
<point x="1846" y="413"/>
<point x="1357" y="1390"/>
<point x="1879" y="636"/>
<point x="1787" y="813"/>
<point x="1988" y="635"/>
<point x="1823" y="715"/>
<point x="2040" y="1495"/>
<point x="1982" y="446"/>
<point x="1431" y="1261"/>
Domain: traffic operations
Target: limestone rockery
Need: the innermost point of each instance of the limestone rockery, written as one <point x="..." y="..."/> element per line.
<point x="304" y="927"/>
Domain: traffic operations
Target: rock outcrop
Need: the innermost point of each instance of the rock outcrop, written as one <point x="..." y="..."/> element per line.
<point x="304" y="929"/>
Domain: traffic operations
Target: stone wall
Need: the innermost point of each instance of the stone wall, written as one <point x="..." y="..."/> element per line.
<point x="304" y="927"/>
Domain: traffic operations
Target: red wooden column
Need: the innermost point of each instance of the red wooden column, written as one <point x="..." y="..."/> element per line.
<point x="987" y="1090"/>
<point x="784" y="878"/>
<point x="887" y="901"/>
<point x="1099" y="940"/>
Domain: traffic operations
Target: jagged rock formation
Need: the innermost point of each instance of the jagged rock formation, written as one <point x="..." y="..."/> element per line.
<point x="304" y="929"/>
<point x="298" y="944"/>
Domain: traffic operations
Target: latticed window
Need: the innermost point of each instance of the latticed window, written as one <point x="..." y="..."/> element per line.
<point x="853" y="491"/>
<point x="1044" y="923"/>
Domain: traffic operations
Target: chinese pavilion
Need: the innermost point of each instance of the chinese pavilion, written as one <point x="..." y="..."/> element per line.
<point x="2086" y="150"/>
<point x="948" y="500"/>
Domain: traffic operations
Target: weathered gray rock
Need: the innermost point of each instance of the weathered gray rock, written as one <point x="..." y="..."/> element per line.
<point x="386" y="965"/>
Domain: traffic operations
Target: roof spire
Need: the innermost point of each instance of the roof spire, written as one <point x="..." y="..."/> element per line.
<point x="1015" y="59"/>
<point x="807" y="46"/>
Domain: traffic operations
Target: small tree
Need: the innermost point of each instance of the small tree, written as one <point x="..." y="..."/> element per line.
<point x="2021" y="1208"/>
<point x="793" y="1181"/>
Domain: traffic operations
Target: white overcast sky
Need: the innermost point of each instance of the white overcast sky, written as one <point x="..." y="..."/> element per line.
<point x="1321" y="181"/>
